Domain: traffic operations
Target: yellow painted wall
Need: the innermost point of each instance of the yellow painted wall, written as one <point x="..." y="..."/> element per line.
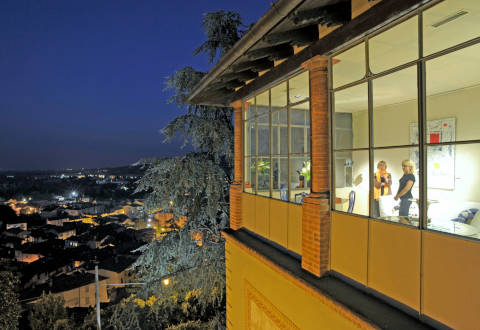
<point x="349" y="244"/>
<point x="394" y="262"/>
<point x="262" y="216"/>
<point x="248" y="211"/>
<point x="295" y="228"/>
<point x="450" y="267"/>
<point x="278" y="221"/>
<point x="276" y="298"/>
<point x="451" y="280"/>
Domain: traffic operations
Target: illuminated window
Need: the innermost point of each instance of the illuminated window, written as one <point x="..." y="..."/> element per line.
<point x="381" y="155"/>
<point x="277" y="141"/>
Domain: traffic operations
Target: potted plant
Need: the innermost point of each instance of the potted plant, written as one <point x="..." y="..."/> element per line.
<point x="304" y="174"/>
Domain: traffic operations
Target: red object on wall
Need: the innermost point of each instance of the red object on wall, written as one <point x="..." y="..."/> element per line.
<point x="434" y="137"/>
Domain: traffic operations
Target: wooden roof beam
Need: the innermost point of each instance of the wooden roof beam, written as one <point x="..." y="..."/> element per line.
<point x="297" y="37"/>
<point x="331" y="15"/>
<point x="242" y="75"/>
<point x="273" y="53"/>
<point x="256" y="66"/>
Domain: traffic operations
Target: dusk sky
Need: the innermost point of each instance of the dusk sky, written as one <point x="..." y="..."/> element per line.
<point x="81" y="82"/>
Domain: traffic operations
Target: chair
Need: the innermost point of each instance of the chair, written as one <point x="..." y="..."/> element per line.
<point x="302" y="195"/>
<point x="351" y="201"/>
<point x="284" y="193"/>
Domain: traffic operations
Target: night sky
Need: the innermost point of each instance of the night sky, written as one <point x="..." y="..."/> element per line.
<point x="81" y="82"/>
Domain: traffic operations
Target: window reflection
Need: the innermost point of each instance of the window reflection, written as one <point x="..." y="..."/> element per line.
<point x="395" y="46"/>
<point x="351" y="182"/>
<point x="396" y="185"/>
<point x="298" y="88"/>
<point x="449" y="23"/>
<point x="395" y="106"/>
<point x="277" y="142"/>
<point x="300" y="178"/>
<point x="349" y="66"/>
<point x="351" y="118"/>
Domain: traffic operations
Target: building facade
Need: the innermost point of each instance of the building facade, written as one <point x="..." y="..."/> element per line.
<point x="355" y="199"/>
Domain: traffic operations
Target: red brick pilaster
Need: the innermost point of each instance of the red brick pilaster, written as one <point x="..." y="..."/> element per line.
<point x="316" y="207"/>
<point x="236" y="187"/>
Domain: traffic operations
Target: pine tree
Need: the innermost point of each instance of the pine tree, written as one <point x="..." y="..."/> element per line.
<point x="195" y="186"/>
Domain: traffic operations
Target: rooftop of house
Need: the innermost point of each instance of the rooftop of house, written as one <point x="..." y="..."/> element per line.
<point x="62" y="283"/>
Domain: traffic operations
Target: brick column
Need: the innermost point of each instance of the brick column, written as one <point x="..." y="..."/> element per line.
<point x="316" y="207"/>
<point x="236" y="187"/>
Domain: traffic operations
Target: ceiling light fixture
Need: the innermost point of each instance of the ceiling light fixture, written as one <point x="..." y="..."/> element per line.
<point x="449" y="18"/>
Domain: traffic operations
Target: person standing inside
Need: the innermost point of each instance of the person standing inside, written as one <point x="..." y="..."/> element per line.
<point x="405" y="189"/>
<point x="381" y="186"/>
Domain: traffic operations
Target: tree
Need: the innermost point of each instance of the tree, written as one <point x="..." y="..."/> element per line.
<point x="10" y="308"/>
<point x="49" y="312"/>
<point x="222" y="31"/>
<point x="195" y="186"/>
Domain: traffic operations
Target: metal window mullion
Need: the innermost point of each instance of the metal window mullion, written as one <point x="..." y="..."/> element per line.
<point x="331" y="101"/>
<point x="256" y="148"/>
<point x="288" y="144"/>
<point x="422" y="129"/>
<point x="370" y="147"/>
<point x="270" y="143"/>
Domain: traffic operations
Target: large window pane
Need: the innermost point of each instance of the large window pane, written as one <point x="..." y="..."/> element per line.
<point x="280" y="178"/>
<point x="395" y="108"/>
<point x="280" y="133"/>
<point x="279" y="96"/>
<point x="262" y="103"/>
<point x="300" y="128"/>
<point x="351" y="118"/>
<point x="453" y="93"/>
<point x="263" y="176"/>
<point x="449" y="23"/>
<point x="249" y="108"/>
<point x="454" y="189"/>
<point x="400" y="176"/>
<point x="298" y="88"/>
<point x="300" y="178"/>
<point x="250" y="179"/>
<point x="395" y="46"/>
<point x="351" y="182"/>
<point x="349" y="66"/>
<point x="250" y="138"/>
<point x="263" y="135"/>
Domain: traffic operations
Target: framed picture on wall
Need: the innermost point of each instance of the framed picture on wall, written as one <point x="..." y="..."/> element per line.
<point x="440" y="159"/>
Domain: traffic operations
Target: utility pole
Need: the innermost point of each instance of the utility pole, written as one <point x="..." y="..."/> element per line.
<point x="97" y="297"/>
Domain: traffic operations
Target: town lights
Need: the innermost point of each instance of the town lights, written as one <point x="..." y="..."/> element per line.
<point x="166" y="281"/>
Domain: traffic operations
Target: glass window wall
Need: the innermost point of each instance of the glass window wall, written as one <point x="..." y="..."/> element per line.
<point x="386" y="165"/>
<point x="277" y="141"/>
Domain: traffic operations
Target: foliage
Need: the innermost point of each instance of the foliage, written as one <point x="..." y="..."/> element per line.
<point x="305" y="171"/>
<point x="160" y="313"/>
<point x="10" y="308"/>
<point x="222" y="30"/>
<point x="48" y="313"/>
<point x="195" y="186"/>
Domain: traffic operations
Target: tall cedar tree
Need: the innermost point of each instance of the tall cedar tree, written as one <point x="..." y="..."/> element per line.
<point x="196" y="186"/>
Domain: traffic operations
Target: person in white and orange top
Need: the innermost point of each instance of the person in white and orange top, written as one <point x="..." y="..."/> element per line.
<point x="381" y="186"/>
